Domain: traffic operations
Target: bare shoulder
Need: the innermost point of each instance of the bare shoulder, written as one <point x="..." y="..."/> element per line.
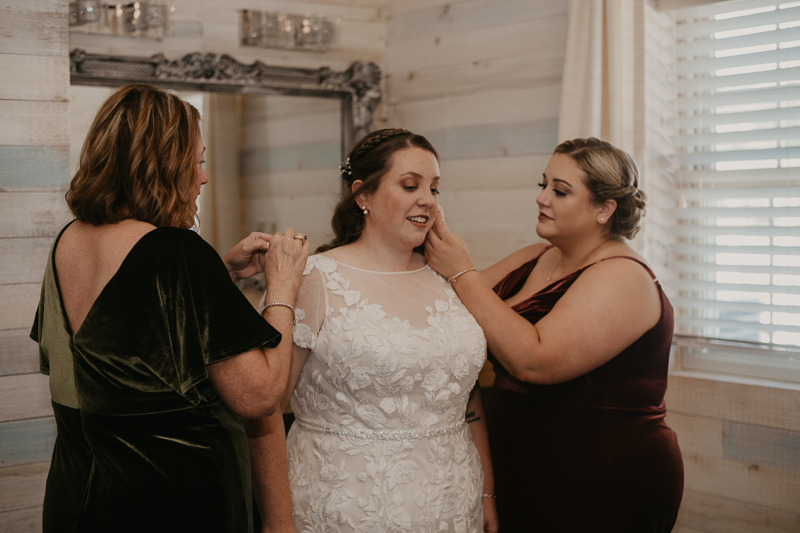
<point x="499" y="270"/>
<point x="620" y="261"/>
<point x="615" y="277"/>
<point x="107" y="242"/>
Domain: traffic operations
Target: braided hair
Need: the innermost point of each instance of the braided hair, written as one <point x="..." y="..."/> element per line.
<point x="369" y="160"/>
<point x="611" y="174"/>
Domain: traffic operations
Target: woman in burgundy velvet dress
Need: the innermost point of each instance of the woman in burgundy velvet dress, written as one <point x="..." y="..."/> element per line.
<point x="579" y="332"/>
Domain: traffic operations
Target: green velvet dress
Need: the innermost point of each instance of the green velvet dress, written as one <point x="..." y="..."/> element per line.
<point x="144" y="443"/>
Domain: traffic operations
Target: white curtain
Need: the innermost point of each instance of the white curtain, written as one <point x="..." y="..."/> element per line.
<point x="601" y="69"/>
<point x="617" y="86"/>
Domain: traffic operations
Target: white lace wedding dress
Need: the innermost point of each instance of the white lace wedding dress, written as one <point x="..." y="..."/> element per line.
<point x="379" y="443"/>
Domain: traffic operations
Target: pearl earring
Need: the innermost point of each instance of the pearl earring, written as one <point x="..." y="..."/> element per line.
<point x="365" y="210"/>
<point x="602" y="220"/>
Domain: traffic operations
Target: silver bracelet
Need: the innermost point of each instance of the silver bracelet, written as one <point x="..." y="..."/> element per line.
<point x="492" y="496"/>
<point x="454" y="278"/>
<point x="294" y="319"/>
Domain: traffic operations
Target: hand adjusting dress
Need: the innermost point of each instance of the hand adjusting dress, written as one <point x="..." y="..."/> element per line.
<point x="379" y="443"/>
<point x="593" y="453"/>
<point x="144" y="443"/>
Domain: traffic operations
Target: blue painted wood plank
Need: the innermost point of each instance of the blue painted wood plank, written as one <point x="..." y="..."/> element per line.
<point x="761" y="445"/>
<point x="18" y="353"/>
<point x="27" y="441"/>
<point x="34" y="167"/>
<point x="294" y="157"/>
<point x="496" y="140"/>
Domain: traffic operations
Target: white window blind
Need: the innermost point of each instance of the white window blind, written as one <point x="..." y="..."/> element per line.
<point x="738" y="224"/>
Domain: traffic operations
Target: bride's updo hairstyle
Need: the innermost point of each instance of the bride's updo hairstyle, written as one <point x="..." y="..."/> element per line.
<point x="611" y="174"/>
<point x="369" y="160"/>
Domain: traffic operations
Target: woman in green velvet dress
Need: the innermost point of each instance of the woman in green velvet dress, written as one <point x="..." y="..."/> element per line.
<point x="151" y="349"/>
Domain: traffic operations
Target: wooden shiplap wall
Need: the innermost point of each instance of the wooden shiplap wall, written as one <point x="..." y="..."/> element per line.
<point x="481" y="79"/>
<point x="289" y="164"/>
<point x="741" y="453"/>
<point x="34" y="171"/>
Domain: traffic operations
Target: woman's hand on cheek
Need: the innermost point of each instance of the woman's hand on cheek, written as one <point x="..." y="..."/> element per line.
<point x="444" y="250"/>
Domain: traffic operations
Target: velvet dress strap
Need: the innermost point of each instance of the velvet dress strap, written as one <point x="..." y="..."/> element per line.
<point x="539" y="304"/>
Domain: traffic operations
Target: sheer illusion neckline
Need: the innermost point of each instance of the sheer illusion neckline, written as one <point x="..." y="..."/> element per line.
<point x="420" y="269"/>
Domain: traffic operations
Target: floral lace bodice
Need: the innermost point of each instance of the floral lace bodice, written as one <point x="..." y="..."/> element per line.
<point x="379" y="442"/>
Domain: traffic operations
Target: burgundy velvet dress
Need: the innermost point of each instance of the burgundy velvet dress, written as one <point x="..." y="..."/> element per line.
<point x="592" y="454"/>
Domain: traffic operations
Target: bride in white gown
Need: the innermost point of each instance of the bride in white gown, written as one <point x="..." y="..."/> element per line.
<point x="389" y="434"/>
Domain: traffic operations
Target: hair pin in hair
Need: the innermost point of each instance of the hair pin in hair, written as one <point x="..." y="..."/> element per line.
<point x="345" y="168"/>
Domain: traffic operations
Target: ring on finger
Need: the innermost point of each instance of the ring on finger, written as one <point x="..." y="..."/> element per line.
<point x="301" y="237"/>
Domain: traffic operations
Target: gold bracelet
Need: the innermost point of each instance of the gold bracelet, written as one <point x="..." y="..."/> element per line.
<point x="454" y="278"/>
<point x="294" y="319"/>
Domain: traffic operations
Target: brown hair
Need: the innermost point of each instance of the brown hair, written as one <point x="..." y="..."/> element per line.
<point x="369" y="161"/>
<point x="138" y="160"/>
<point x="611" y="174"/>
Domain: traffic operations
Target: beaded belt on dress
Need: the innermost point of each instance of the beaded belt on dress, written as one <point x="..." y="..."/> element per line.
<point x="371" y="434"/>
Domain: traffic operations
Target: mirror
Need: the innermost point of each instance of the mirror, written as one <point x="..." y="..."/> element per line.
<point x="274" y="136"/>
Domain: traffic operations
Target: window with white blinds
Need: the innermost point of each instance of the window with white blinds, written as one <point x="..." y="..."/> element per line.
<point x="738" y="223"/>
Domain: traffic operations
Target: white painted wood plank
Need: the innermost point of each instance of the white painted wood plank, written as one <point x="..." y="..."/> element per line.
<point x="27" y="77"/>
<point x="495" y="173"/>
<point x="465" y="17"/>
<point x="289" y="131"/>
<point x="709" y="512"/>
<point x="24" y="396"/>
<point x="171" y="47"/>
<point x="752" y="404"/>
<point x="400" y="7"/>
<point x="23" y="260"/>
<point x="259" y="108"/>
<point x="32" y="214"/>
<point x="475" y="76"/>
<point x="34" y="28"/>
<point x="311" y="182"/>
<point x="18" y="353"/>
<point x="696" y="434"/>
<point x="18" y="305"/>
<point x="23" y="520"/>
<point x="22" y="486"/>
<point x="540" y="38"/>
<point x="487" y="107"/>
<point x="309" y="214"/>
<point x="325" y="154"/>
<point x="492" y="140"/>
<point x="34" y="123"/>
<point x="748" y="482"/>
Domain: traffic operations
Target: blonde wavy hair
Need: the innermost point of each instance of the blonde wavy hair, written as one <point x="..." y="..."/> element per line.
<point x="611" y="174"/>
<point x="138" y="160"/>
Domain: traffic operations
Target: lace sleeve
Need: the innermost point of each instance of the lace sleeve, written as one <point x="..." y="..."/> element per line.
<point x="309" y="307"/>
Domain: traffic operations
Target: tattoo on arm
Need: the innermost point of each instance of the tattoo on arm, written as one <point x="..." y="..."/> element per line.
<point x="471" y="417"/>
